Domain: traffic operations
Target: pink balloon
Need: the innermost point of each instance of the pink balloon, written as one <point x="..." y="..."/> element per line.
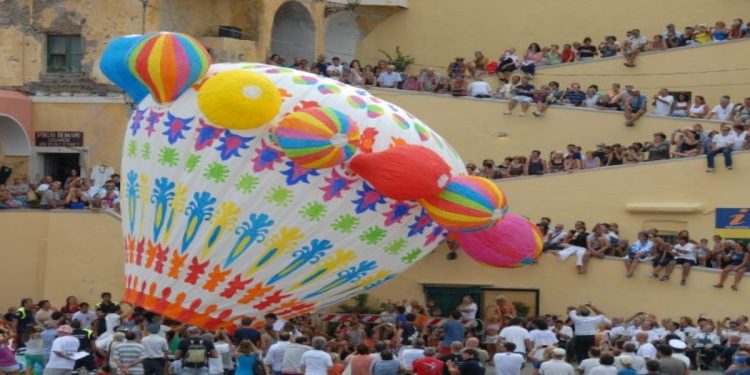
<point x="512" y="242"/>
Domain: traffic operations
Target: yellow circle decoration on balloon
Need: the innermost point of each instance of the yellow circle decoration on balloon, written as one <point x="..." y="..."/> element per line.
<point x="239" y="99"/>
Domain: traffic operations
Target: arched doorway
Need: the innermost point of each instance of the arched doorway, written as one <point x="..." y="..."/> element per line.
<point x="13" y="138"/>
<point x="15" y="148"/>
<point x="342" y="36"/>
<point x="293" y="33"/>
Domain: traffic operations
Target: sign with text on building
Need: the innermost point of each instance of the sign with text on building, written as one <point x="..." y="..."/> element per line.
<point x="59" y="139"/>
<point x="733" y="222"/>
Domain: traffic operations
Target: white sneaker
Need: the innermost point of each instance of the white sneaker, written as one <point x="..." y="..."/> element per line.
<point x="729" y="167"/>
<point x="522" y="114"/>
<point x="507" y="113"/>
<point x="709" y="169"/>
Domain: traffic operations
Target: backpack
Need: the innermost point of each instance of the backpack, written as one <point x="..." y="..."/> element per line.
<point x="196" y="354"/>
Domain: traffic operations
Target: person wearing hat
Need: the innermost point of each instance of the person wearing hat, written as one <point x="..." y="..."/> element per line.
<point x="678" y="348"/>
<point x="626" y="364"/>
<point x="63" y="348"/>
<point x="156" y="351"/>
<point x="557" y="365"/>
<point x="637" y="363"/>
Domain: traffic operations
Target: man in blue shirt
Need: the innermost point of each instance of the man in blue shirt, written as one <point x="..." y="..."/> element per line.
<point x="453" y="331"/>
<point x="635" y="107"/>
<point x="574" y="96"/>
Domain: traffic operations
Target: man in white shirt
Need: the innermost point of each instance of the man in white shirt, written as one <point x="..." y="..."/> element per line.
<point x="637" y="41"/>
<point x="389" y="78"/>
<point x="507" y="362"/>
<point x="63" y="348"/>
<point x="684" y="256"/>
<point x="721" y="143"/>
<point x="678" y="349"/>
<point x="290" y="363"/>
<point x="335" y="70"/>
<point x="585" y="327"/>
<point x="585" y="366"/>
<point x="275" y="356"/>
<point x="724" y="111"/>
<point x="554" y="238"/>
<point x="156" y="349"/>
<point x="411" y="354"/>
<point x="646" y="349"/>
<point x="639" y="251"/>
<point x="663" y="103"/>
<point x="517" y="335"/>
<point x="84" y="315"/>
<point x="480" y="89"/>
<point x="316" y="361"/>
<point x="637" y="362"/>
<point x="605" y="367"/>
<point x="557" y="365"/>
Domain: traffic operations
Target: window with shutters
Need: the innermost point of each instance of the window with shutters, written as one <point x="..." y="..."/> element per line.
<point x="64" y="53"/>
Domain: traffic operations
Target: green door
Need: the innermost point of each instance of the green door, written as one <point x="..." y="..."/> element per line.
<point x="449" y="297"/>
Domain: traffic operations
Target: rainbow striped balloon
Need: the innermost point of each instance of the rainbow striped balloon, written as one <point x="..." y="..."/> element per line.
<point x="467" y="204"/>
<point x="168" y="63"/>
<point x="318" y="137"/>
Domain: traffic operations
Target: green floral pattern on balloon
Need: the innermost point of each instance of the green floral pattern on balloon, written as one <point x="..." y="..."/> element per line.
<point x="217" y="173"/>
<point x="279" y="196"/>
<point x="373" y="235"/>
<point x="345" y="223"/>
<point x="192" y="162"/>
<point x="132" y="148"/>
<point x="168" y="156"/>
<point x="313" y="211"/>
<point x="146" y="151"/>
<point x="411" y="256"/>
<point x="396" y="246"/>
<point x="246" y="183"/>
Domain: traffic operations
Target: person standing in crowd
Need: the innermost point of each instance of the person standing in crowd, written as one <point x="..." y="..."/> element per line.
<point x="246" y="356"/>
<point x="129" y="355"/>
<point x="84" y="315"/>
<point x="157" y="351"/>
<point x="557" y="365"/>
<point x="518" y="335"/>
<point x="508" y="362"/>
<point x="290" y="363"/>
<point x="194" y="352"/>
<point x="453" y="331"/>
<point x="275" y="356"/>
<point x="61" y="360"/>
<point x="24" y="317"/>
<point x="246" y="332"/>
<point x="428" y="365"/>
<point x="103" y="308"/>
<point x="469" y="365"/>
<point x="316" y="361"/>
<point x="585" y="328"/>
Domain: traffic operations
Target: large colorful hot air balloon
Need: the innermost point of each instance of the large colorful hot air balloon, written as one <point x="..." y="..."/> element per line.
<point x="263" y="192"/>
<point x="114" y="65"/>
<point x="167" y="64"/>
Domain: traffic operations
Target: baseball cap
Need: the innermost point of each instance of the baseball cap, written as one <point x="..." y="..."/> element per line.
<point x="65" y="329"/>
<point x="559" y="352"/>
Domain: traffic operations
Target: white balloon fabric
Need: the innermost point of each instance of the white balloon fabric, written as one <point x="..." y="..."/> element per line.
<point x="219" y="223"/>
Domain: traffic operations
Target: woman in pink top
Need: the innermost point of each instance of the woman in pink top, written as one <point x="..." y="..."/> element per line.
<point x="412" y="84"/>
<point x="361" y="361"/>
<point x="531" y="59"/>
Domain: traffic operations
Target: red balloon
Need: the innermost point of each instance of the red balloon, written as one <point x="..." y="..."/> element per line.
<point x="405" y="172"/>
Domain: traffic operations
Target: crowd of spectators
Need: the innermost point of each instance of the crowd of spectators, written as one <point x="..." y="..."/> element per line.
<point x="76" y="192"/>
<point x="122" y="339"/>
<point x="682" y="143"/>
<point x="663" y="252"/>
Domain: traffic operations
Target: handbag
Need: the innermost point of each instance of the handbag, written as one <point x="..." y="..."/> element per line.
<point x="258" y="368"/>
